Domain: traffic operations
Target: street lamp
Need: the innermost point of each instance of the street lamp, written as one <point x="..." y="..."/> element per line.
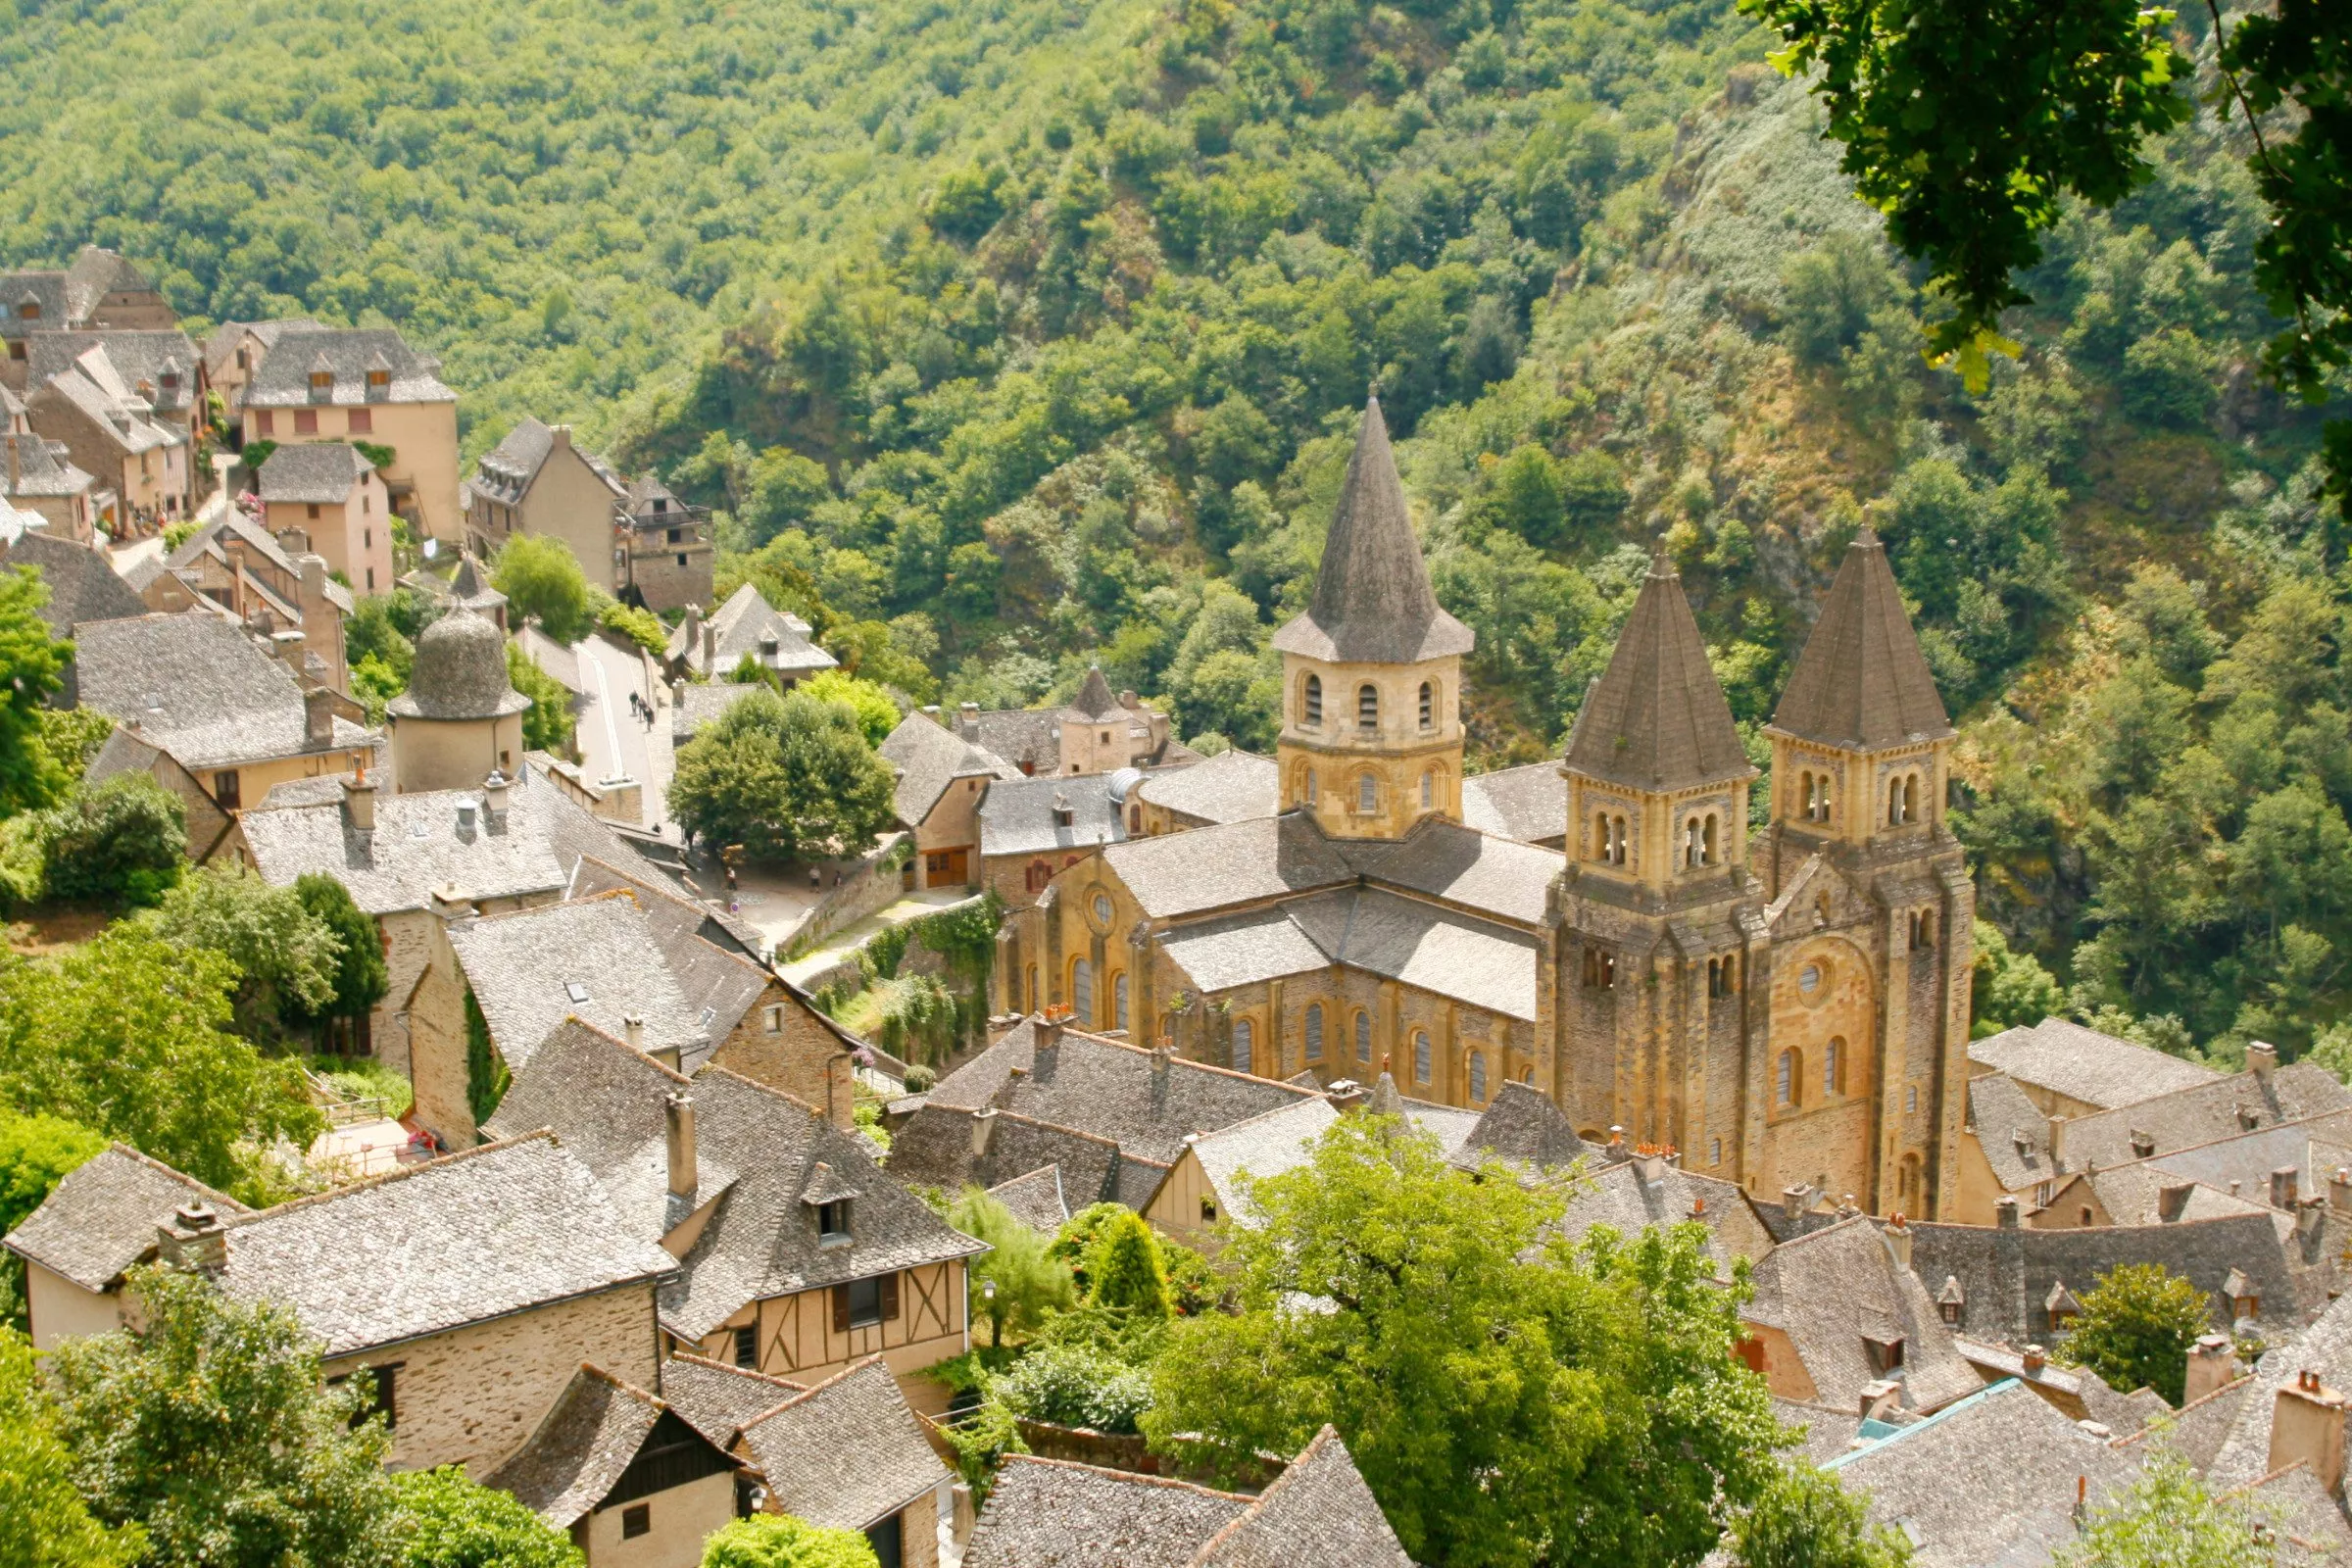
<point x="987" y="1305"/>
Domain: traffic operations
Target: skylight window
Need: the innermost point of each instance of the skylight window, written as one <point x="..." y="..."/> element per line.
<point x="575" y="991"/>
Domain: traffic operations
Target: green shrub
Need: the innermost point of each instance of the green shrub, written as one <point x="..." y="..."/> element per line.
<point x="779" y="1540"/>
<point x="124" y="842"/>
<point x="452" y="1522"/>
<point x="1077" y="1386"/>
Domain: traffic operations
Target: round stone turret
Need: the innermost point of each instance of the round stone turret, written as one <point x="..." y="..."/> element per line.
<point x="461" y="718"/>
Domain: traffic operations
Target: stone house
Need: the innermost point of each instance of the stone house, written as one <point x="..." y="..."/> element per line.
<point x="471" y="1286"/>
<point x="82" y="587"/>
<point x="943" y="778"/>
<point x="40" y="477"/>
<point x="1050" y="1511"/>
<point x="1203" y="1188"/>
<point x="624" y="1474"/>
<point x="798" y="1254"/>
<point x="746" y="627"/>
<point x="1035" y="827"/>
<point x="332" y="495"/>
<point x="209" y="715"/>
<point x="1233" y="786"/>
<point x="1094" y="732"/>
<point x="236" y="348"/>
<point x="271" y="585"/>
<point x="162" y="367"/>
<point x="363" y="385"/>
<point x="99" y="291"/>
<point x="2067" y="1070"/>
<point x="662" y="551"/>
<point x="637" y="541"/>
<point x="109" y="429"/>
<point x="460" y="720"/>
<point x="98" y="1223"/>
<point x="1840" y="1318"/>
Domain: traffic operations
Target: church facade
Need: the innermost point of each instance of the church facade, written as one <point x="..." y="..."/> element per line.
<point x="1786" y="1004"/>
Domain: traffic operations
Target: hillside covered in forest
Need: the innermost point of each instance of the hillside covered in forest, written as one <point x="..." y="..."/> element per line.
<point x="1016" y="338"/>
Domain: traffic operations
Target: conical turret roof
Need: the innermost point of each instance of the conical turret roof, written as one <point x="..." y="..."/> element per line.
<point x="1861" y="681"/>
<point x="1373" y="603"/>
<point x="1656" y="719"/>
<point x="1094" y="699"/>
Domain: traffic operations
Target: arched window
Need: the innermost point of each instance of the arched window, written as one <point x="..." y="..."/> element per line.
<point x="1314" y="1031"/>
<point x="1911" y="1100"/>
<point x="1478" y="1076"/>
<point x="1785" y="1082"/>
<point x="1118" y="1000"/>
<point x="1707" y="841"/>
<point x="1311" y="704"/>
<point x="1602" y="837"/>
<point x="1428" y="706"/>
<point x="1312" y="794"/>
<point x="1367" y="794"/>
<point x="1245" y="1039"/>
<point x="1428" y="789"/>
<point x="1040" y="873"/>
<point x="1622" y="849"/>
<point x="1690" y="843"/>
<point x="1363" y="1037"/>
<point x="1420" y="1056"/>
<point x="1082" y="992"/>
<point x="1833" y="1066"/>
<point x="1367" y="706"/>
<point x="1911" y="798"/>
<point x="1804" y="795"/>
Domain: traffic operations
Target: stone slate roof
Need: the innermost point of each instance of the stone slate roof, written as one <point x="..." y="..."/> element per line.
<point x="2208" y="1112"/>
<point x="43" y="471"/>
<point x="1528" y="803"/>
<point x="1523" y="1127"/>
<point x="524" y="967"/>
<point x="101" y="1218"/>
<point x="1373" y="603"/>
<point x="282" y="380"/>
<point x="97" y="272"/>
<point x="1239" y="949"/>
<point x="2242" y="1455"/>
<point x="2007" y="1273"/>
<point x="140" y="358"/>
<point x="719" y="983"/>
<point x="1656" y="719"/>
<point x="570" y="1461"/>
<point x="1267" y="1144"/>
<point x="321" y="472"/>
<point x="45" y="287"/>
<point x="220" y="347"/>
<point x="740" y="623"/>
<point x="195" y="686"/>
<point x="1047" y="1513"/>
<point x="846" y="1453"/>
<point x="1036" y="1200"/>
<point x="495" y="1230"/>
<point x="417" y="845"/>
<point x="1988" y="1484"/>
<point x="1177" y="874"/>
<point x="2083" y="1065"/>
<point x="1830" y="1288"/>
<point x="1461" y="865"/>
<point x="1018" y="815"/>
<point x="114" y="411"/>
<point x="1635" y="1194"/>
<point x="2011" y="1130"/>
<point x="2129" y="1193"/>
<point x="1486" y="965"/>
<point x="929" y="759"/>
<point x="718" y="1400"/>
<point x="935" y="1150"/>
<point x="755" y="1148"/>
<point x="506" y="472"/>
<point x="1320" y="1510"/>
<point x="1231" y="785"/>
<point x="461" y="672"/>
<point x="1861" y="681"/>
<point x="1828" y="1432"/>
<point x="82" y="585"/>
<point x="697" y="704"/>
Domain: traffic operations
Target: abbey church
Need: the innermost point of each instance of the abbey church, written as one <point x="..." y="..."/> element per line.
<point x="1785" y="1005"/>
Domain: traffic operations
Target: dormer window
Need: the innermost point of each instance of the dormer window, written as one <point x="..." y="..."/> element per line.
<point x="1885" y="1352"/>
<point x="377" y="381"/>
<point x="833" y="1223"/>
<point x="322" y="380"/>
<point x="2143" y="1144"/>
<point x="29" y="311"/>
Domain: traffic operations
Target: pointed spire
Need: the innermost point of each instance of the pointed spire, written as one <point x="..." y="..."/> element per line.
<point x="1861" y="681"/>
<point x="1385" y="1100"/>
<point x="1094" y="699"/>
<point x="1656" y="719"/>
<point x="1373" y="603"/>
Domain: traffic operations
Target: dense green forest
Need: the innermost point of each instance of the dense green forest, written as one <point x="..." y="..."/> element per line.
<point x="1059" y="363"/>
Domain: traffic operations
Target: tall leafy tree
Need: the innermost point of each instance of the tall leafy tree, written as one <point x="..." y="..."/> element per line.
<point x="2167" y="1519"/>
<point x="43" y="1521"/>
<point x="783" y="776"/>
<point x="2137" y="1328"/>
<point x="37" y="1152"/>
<point x="543" y="581"/>
<point x="32" y="667"/>
<point x="1805" y="1519"/>
<point x="1015" y="1285"/>
<point x="447" y="1521"/>
<point x="1124" y="1269"/>
<point x="286" y="958"/>
<point x="360" y="976"/>
<point x="211" y="1427"/>
<point x="124" y="841"/>
<point x="1510" y="1396"/>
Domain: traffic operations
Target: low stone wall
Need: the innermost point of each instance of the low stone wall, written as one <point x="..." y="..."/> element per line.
<point x="867" y="890"/>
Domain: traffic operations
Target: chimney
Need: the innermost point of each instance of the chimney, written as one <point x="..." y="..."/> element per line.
<point x="469" y="812"/>
<point x="1063" y="815"/>
<point x="1616" y="1149"/>
<point x="450" y="905"/>
<point x="1344" y="1094"/>
<point x="2310" y="1214"/>
<point x="2282" y="1187"/>
<point x="16" y="471"/>
<point x="2004" y="1209"/>
<point x="1653" y="1169"/>
<point x="709" y="649"/>
<point x="2212" y="1364"/>
<point x="984" y="1127"/>
<point x="678" y="1125"/>
<point x="2035" y="1359"/>
<point x="359" y="802"/>
<point x="967" y="720"/>
<point x="314" y="579"/>
<point x="495" y="792"/>
<point x="1792" y="1203"/>
<point x="561" y="435"/>
<point x="317" y="719"/>
<point x="2172" y="1200"/>
<point x="1880" y="1398"/>
<point x="2057" y="1142"/>
<point x="2307" y="1425"/>
<point x="633" y="1029"/>
<point x="1045" y="1032"/>
<point x="2262" y="1060"/>
<point x="1898" y="1240"/>
<point x="192" y="1239"/>
<point x="1045" y="1055"/>
<point x="1161" y="1073"/>
<point x="2339" y="1188"/>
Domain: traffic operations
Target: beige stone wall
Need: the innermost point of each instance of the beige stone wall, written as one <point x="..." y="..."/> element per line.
<point x="472" y="1396"/>
<point x="1975" y="1196"/>
<point x="781" y="1043"/>
<point x="354" y="538"/>
<point x="1175" y="1209"/>
<point x="60" y="1309"/>
<point x="679" y="1521"/>
<point x="1825" y="1131"/>
<point x="436" y="1009"/>
<point x="453" y="755"/>
<point x="567" y="501"/>
<point x="797" y="1340"/>
<point x="422" y="436"/>
<point x="1324" y="761"/>
<point x="953" y="824"/>
<point x="1784" y="1370"/>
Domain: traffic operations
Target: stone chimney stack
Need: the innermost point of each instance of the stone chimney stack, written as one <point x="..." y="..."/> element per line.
<point x="317" y="719"/>
<point x="1880" y="1398"/>
<point x="2282" y="1187"/>
<point x="2339" y="1188"/>
<point x="1792" y="1203"/>
<point x="1161" y="1073"/>
<point x="967" y="720"/>
<point x="1045" y="1055"/>
<point x="562" y="434"/>
<point x="1898" y="1241"/>
<point x="2212" y="1364"/>
<point x="495" y="792"/>
<point x="2058" y="1142"/>
<point x="2172" y="1200"/>
<point x="2262" y="1060"/>
<point x="984" y="1128"/>
<point x="359" y="802"/>
<point x="678" y="1125"/>
<point x="2004" y="1209"/>
<point x="632" y="1028"/>
<point x="193" y="1240"/>
<point x="2307" y="1425"/>
<point x="2034" y="1359"/>
<point x="450" y="904"/>
<point x="710" y="651"/>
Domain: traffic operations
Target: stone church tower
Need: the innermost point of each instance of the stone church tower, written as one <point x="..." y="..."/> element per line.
<point x="1371" y="674"/>
<point x="1796" y="1015"/>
